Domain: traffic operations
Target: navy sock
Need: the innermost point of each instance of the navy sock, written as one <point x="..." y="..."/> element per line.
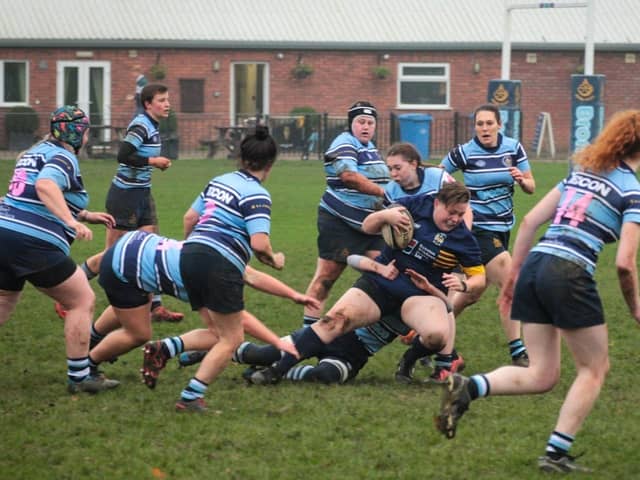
<point x="416" y="351"/>
<point x="516" y="347"/>
<point x="308" y="345"/>
<point x="252" y="354"/>
<point x="87" y="271"/>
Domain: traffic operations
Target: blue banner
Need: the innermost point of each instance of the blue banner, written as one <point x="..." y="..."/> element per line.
<point x="587" y="109"/>
<point x="506" y="94"/>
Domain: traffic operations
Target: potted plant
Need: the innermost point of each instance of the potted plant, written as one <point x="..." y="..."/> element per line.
<point x="381" y="72"/>
<point x="158" y="71"/>
<point x="169" y="136"/>
<point x="21" y="124"/>
<point x="302" y="70"/>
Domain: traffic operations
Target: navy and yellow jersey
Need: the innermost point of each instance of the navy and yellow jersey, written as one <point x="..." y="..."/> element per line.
<point x="486" y="175"/>
<point x="382" y="333"/>
<point x="144" y="134"/>
<point x="347" y="154"/>
<point x="232" y="207"/>
<point x="150" y="262"/>
<point x="23" y="211"/>
<point x="590" y="213"/>
<point x="431" y="252"/>
<point x="431" y="179"/>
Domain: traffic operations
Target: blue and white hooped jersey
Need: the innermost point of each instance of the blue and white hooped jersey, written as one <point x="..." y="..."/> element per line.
<point x="232" y="207"/>
<point x="431" y="252"/>
<point x="150" y="262"/>
<point x="382" y="333"/>
<point x="486" y="175"/>
<point x="144" y="134"/>
<point x="23" y="211"/>
<point x="347" y="154"/>
<point x="431" y="180"/>
<point x="591" y="212"/>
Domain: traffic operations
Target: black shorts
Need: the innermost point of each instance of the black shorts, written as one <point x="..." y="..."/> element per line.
<point x="337" y="240"/>
<point x="120" y="294"/>
<point x="491" y="243"/>
<point x="25" y="258"/>
<point x="132" y="208"/>
<point x="388" y="304"/>
<point x="556" y="291"/>
<point x="211" y="280"/>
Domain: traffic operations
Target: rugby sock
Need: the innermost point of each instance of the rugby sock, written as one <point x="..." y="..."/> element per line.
<point x="516" y="347"/>
<point x="156" y="301"/>
<point x="78" y="369"/>
<point x="444" y="361"/>
<point x="299" y="372"/>
<point x="96" y="337"/>
<point x="87" y="271"/>
<point x="416" y="351"/>
<point x="252" y="354"/>
<point x="559" y="444"/>
<point x="308" y="345"/>
<point x="478" y="386"/>
<point x="172" y="346"/>
<point x="308" y="320"/>
<point x="196" y="389"/>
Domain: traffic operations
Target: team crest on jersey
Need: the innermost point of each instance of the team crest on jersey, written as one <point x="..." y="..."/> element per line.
<point x="507" y="161"/>
<point x="481" y="163"/>
<point x="439" y="238"/>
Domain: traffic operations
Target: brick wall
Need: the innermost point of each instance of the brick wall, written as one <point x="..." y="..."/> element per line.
<point x="340" y="78"/>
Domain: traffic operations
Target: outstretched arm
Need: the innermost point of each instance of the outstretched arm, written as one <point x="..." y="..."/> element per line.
<point x="271" y="285"/>
<point x="366" y="264"/>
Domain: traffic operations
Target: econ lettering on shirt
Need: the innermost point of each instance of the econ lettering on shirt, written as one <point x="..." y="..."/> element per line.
<point x="219" y="194"/>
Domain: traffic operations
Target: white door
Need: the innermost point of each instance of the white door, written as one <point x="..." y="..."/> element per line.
<point x="87" y="84"/>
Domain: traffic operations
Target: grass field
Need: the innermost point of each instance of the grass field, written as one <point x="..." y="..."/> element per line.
<point x="371" y="429"/>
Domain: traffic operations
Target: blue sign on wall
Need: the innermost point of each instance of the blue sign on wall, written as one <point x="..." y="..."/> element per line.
<point x="587" y="109"/>
<point x="506" y="94"/>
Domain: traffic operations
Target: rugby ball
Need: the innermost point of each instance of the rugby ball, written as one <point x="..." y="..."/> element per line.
<point x="398" y="240"/>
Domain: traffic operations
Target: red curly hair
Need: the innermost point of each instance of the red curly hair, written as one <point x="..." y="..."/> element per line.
<point x="619" y="139"/>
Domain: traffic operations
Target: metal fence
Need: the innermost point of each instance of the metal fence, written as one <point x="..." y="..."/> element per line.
<point x="207" y="135"/>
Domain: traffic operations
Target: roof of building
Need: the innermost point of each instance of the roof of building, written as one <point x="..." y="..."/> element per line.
<point x="315" y="24"/>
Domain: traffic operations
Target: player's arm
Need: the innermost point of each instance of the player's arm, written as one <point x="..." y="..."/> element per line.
<point x="261" y="246"/>
<point x="627" y="268"/>
<point x="189" y="221"/>
<point x="366" y="264"/>
<point x="373" y="223"/>
<point x="359" y="182"/>
<point x="266" y="283"/>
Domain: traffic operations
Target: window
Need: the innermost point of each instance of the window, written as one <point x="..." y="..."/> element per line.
<point x="192" y="95"/>
<point x="423" y="85"/>
<point x="13" y="83"/>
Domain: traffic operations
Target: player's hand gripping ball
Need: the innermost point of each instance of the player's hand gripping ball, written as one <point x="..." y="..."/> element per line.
<point x="398" y="239"/>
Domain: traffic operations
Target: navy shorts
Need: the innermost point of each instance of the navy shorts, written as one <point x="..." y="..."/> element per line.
<point x="388" y="304"/>
<point x="556" y="291"/>
<point x="337" y="240"/>
<point x="26" y="258"/>
<point x="491" y="243"/>
<point x="211" y="280"/>
<point x="132" y="208"/>
<point x="120" y="294"/>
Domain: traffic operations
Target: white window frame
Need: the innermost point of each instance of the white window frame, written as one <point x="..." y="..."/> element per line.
<point x="446" y="78"/>
<point x="14" y="104"/>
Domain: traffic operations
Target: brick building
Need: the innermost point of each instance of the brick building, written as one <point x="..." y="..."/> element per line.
<point x="225" y="60"/>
